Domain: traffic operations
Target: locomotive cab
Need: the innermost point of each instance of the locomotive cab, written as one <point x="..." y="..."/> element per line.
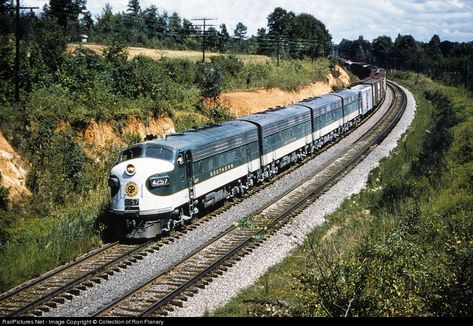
<point x="146" y="183"/>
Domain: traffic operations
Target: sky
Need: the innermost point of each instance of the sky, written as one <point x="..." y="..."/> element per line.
<point x="450" y="19"/>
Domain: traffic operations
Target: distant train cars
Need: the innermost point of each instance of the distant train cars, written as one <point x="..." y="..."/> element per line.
<point x="159" y="184"/>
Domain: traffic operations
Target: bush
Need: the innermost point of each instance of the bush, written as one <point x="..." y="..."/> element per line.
<point x="4" y="192"/>
<point x="212" y="82"/>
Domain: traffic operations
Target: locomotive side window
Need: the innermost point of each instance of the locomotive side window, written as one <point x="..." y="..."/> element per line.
<point x="131" y="153"/>
<point x="159" y="153"/>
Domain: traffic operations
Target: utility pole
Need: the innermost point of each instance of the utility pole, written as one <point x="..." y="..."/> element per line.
<point x="17" y="47"/>
<point x="466" y="74"/>
<point x="279" y="50"/>
<point x="204" y="33"/>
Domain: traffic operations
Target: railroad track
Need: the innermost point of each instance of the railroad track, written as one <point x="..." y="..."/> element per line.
<point x="174" y="286"/>
<point x="62" y="284"/>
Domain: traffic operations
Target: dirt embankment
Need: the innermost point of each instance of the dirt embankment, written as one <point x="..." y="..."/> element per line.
<point x="101" y="135"/>
<point x="245" y="103"/>
<point x="13" y="171"/>
<point x="97" y="137"/>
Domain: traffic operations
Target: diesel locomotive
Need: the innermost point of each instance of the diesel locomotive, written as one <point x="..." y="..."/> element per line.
<point x="162" y="183"/>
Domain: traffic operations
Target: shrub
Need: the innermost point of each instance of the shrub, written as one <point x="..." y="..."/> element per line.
<point x="4" y="192"/>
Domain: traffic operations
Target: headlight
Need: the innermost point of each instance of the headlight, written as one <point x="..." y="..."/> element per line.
<point x="130" y="169"/>
<point x="155" y="182"/>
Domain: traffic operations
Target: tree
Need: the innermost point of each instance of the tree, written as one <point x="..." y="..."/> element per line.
<point x="134" y="8"/>
<point x="135" y="28"/>
<point x="309" y="37"/>
<point x="175" y="26"/>
<point x="360" y="54"/>
<point x="212" y="38"/>
<point x="50" y="42"/>
<point x="150" y="16"/>
<point x="406" y="52"/>
<point x="223" y="38"/>
<point x="240" y="31"/>
<point x="382" y="47"/>
<point x="86" y="22"/>
<point x="67" y="14"/>
<point x="278" y="21"/>
<point x="6" y="25"/>
<point x="264" y="46"/>
<point x="212" y="82"/>
<point x="433" y="47"/>
<point x="106" y="23"/>
<point x="346" y="49"/>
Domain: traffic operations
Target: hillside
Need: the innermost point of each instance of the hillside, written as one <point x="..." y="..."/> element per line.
<point x="244" y="103"/>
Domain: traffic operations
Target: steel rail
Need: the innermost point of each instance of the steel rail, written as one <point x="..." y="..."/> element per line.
<point x="289" y="211"/>
<point x="168" y="298"/>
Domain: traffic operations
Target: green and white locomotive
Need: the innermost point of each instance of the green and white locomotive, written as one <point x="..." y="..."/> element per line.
<point x="159" y="184"/>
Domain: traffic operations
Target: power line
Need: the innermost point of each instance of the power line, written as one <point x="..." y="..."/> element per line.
<point x="204" y="32"/>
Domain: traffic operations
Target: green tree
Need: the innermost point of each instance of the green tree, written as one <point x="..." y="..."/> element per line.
<point x="240" y="31"/>
<point x="406" y="52"/>
<point x="223" y="38"/>
<point x="309" y="37"/>
<point x="105" y="26"/>
<point x="6" y="18"/>
<point x="382" y="47"/>
<point x="135" y="28"/>
<point x="86" y="22"/>
<point x="67" y="14"/>
<point x="212" y="38"/>
<point x="134" y="8"/>
<point x="50" y="42"/>
<point x="278" y="21"/>
<point x="175" y="27"/>
<point x="360" y="54"/>
<point x="264" y="45"/>
<point x="212" y="82"/>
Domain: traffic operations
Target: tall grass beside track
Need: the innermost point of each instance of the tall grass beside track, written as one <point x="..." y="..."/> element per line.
<point x="37" y="245"/>
<point x="401" y="247"/>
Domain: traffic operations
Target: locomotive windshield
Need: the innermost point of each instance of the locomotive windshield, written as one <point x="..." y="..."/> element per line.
<point x="152" y="151"/>
<point x="159" y="152"/>
<point x="131" y="153"/>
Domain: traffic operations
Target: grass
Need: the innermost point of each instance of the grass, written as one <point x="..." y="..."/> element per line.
<point x="38" y="244"/>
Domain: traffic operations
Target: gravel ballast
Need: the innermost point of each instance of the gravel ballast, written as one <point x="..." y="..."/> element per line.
<point x="247" y="271"/>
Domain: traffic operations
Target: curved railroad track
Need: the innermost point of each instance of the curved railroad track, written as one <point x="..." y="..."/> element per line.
<point x="172" y="287"/>
<point x="54" y="288"/>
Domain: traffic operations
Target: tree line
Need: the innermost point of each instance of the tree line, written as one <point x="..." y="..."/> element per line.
<point x="448" y="61"/>
<point x="287" y="34"/>
<point x="44" y="37"/>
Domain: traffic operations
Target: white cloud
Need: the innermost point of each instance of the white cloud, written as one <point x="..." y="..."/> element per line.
<point x="452" y="19"/>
